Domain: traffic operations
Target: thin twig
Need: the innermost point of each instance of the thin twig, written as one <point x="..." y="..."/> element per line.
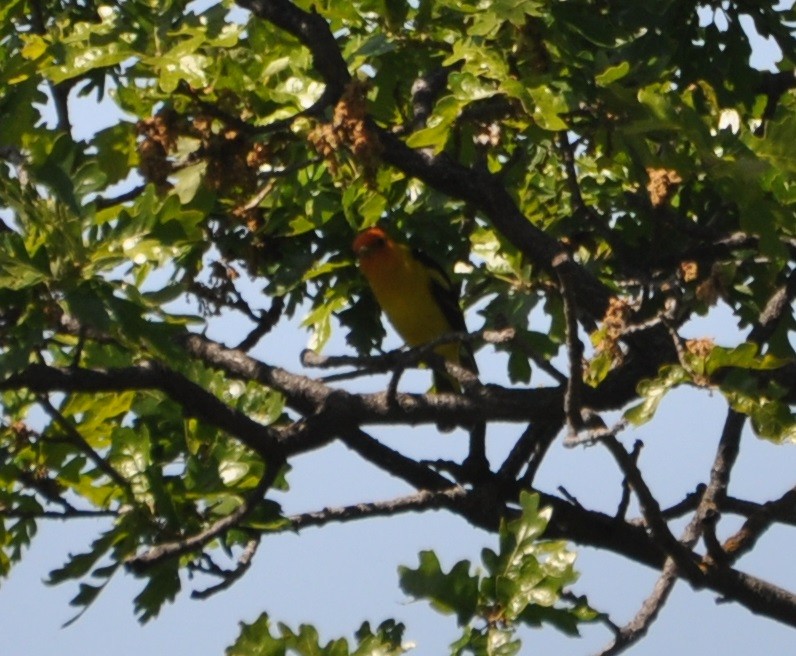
<point x="702" y="523"/>
<point x="404" y="356"/>
<point x="651" y="510"/>
<point x="268" y="319"/>
<point x="229" y="577"/>
<point x="400" y="359"/>
<point x="624" y="502"/>
<point x="593" y="431"/>
<point x="747" y="536"/>
<point x="529" y="448"/>
<point x="392" y="461"/>
<point x="60" y="91"/>
<point x="101" y="202"/>
<point x="781" y="513"/>
<point x="569" y="496"/>
<point x="80" y="442"/>
<point x="778" y="306"/>
<point x="422" y="500"/>
<point x="68" y="513"/>
<point x="46" y="487"/>
<point x="166" y="550"/>
<point x="568" y="156"/>
<point x="638" y="627"/>
<point x="679" y="343"/>
<point x="574" y="393"/>
<point x="716" y="491"/>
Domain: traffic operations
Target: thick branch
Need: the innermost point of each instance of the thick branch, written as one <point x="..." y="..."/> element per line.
<point x="313" y="31"/>
<point x="307" y="395"/>
<point x="195" y="400"/>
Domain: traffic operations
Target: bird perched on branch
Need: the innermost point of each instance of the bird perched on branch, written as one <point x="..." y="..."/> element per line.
<point x="417" y="296"/>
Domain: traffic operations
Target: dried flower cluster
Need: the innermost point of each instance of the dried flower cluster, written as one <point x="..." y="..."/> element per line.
<point x="613" y="327"/>
<point x="616" y="318"/>
<point x="661" y="185"/>
<point x="712" y="288"/>
<point x="232" y="160"/>
<point x="701" y="348"/>
<point x="689" y="271"/>
<point x="349" y="129"/>
<point x="160" y="133"/>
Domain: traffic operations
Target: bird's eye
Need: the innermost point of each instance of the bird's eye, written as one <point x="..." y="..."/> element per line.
<point x="378" y="242"/>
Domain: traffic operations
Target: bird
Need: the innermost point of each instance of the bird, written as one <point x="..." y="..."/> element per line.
<point x="417" y="296"/>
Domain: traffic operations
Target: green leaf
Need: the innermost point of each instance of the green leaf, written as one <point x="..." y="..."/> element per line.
<point x="519" y="368"/>
<point x="455" y="592"/>
<point x="162" y="586"/>
<point x="85" y="304"/>
<point x="188" y="180"/>
<point x="88" y="593"/>
<point x="386" y="640"/>
<point x="653" y="391"/>
<point x="468" y="87"/>
<point x="116" y="151"/>
<point x="743" y="356"/>
<point x="79" y="565"/>
<point x="255" y="639"/>
<point x="612" y="74"/>
<point x="438" y="127"/>
<point x="550" y="107"/>
<point x="774" y="146"/>
<point x="83" y="58"/>
<point x="320" y="321"/>
<point x="19" y="275"/>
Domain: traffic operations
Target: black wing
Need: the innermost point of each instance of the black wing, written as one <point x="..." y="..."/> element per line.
<point x="446" y="294"/>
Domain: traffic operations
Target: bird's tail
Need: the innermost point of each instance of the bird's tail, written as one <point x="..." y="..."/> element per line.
<point x="460" y="354"/>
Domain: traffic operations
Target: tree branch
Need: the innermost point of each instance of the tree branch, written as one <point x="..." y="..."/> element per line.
<point x="190" y="543"/>
<point x="313" y="31"/>
<point x="194" y="399"/>
<point x="745" y="539"/>
<point x="230" y="577"/>
<point x="637" y="628"/>
<point x="393" y="462"/>
<point x="423" y="500"/>
<point x="79" y="441"/>
<point x="716" y="491"/>
<point x="478" y="187"/>
<point x="682" y="557"/>
<point x="573" y="395"/>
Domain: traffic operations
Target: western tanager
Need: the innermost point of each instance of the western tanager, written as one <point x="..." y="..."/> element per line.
<point x="416" y="295"/>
